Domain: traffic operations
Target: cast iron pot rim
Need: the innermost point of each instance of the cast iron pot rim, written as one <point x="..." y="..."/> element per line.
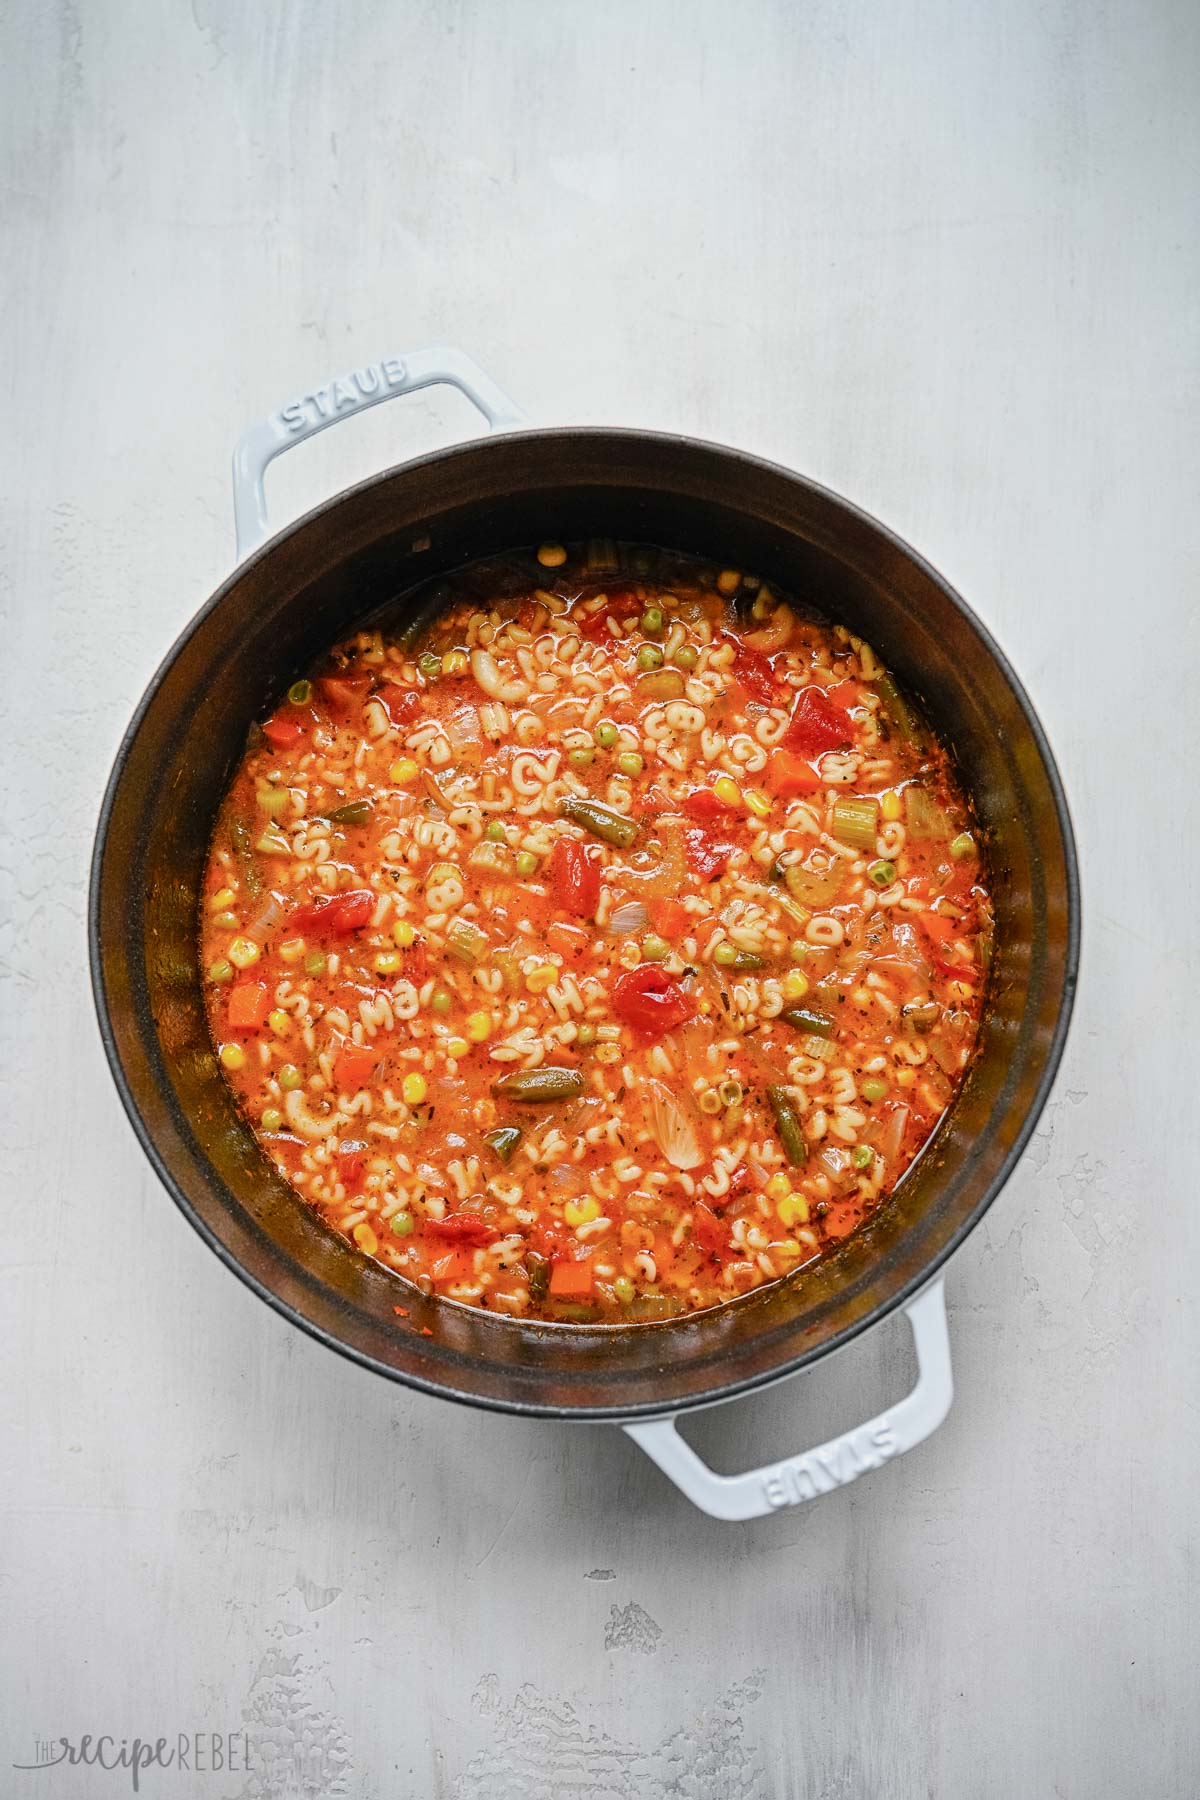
<point x="748" y="1384"/>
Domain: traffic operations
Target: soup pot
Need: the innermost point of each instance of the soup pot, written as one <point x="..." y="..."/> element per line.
<point x="293" y="595"/>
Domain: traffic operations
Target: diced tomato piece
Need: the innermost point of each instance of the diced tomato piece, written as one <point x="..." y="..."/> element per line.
<point x="755" y="673"/>
<point x="354" y="1066"/>
<point x="841" y="1219"/>
<point x="789" y="774"/>
<point x="402" y="705"/>
<point x="938" y="929"/>
<point x="571" y="1280"/>
<point x="575" y="872"/>
<point x="336" y="913"/>
<point x="844" y="694"/>
<point x="455" y="1265"/>
<point x="415" y="964"/>
<point x="651" y="1000"/>
<point x="249" y="1004"/>
<point x="708" y="1231"/>
<point x="702" y="803"/>
<point x="283" y="731"/>
<point x="705" y="855"/>
<point x="816" y="724"/>
<point x="343" y="691"/>
<point x="567" y="940"/>
<point x="351" y="1160"/>
<point x="669" y="918"/>
<point x="620" y="604"/>
<point x="462" y="1228"/>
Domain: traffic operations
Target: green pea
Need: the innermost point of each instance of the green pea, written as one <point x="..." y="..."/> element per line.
<point x="882" y="874"/>
<point x="300" y="693"/>
<point x="585" y="1036"/>
<point x="652" y="623"/>
<point x="220" y="970"/>
<point x="630" y="763"/>
<point x="429" y="665"/>
<point x="527" y="863"/>
<point x="402" y="1224"/>
<point x="289" y="1077"/>
<point x="872" y="1088"/>
<point x="605" y="734"/>
<point x="581" y="758"/>
<point x="725" y="954"/>
<point x="863" y="1157"/>
<point x="272" y="1119"/>
<point x="227" y="921"/>
<point x="650" y="657"/>
<point x="314" y="963"/>
<point x="655" y="949"/>
<point x="495" y="832"/>
<point x="440" y="1001"/>
<point x="685" y="657"/>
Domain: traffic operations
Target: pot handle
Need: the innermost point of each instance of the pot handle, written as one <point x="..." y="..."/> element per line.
<point x="832" y="1465"/>
<point x="340" y="398"/>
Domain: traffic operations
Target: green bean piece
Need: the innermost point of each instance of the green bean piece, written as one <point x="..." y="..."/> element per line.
<point x="534" y="1085"/>
<point x="430" y="665"/>
<point x="537" y="1269"/>
<point x="602" y="821"/>
<point x="962" y="846"/>
<point x="787" y="1123"/>
<point x="503" y="1141"/>
<point x="239" y="833"/>
<point x="896" y="710"/>
<point x="863" y="1156"/>
<point x="872" y="1089"/>
<point x="882" y="874"/>
<point x="355" y="812"/>
<point x="805" y="1018"/>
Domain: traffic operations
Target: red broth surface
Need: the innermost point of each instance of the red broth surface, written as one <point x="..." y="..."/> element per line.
<point x="608" y="951"/>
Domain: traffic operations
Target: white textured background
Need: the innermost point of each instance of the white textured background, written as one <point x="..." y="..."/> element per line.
<point x="943" y="257"/>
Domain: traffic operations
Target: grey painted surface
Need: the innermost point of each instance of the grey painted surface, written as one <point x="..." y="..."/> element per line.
<point x="942" y="257"/>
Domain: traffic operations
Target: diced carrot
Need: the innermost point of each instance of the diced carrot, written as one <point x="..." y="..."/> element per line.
<point x="283" y="732"/>
<point x="343" y="690"/>
<point x="937" y="928"/>
<point x="455" y="1265"/>
<point x="249" y="1004"/>
<point x="567" y="940"/>
<point x="354" y="1065"/>
<point x="571" y="1280"/>
<point x="844" y="694"/>
<point x="669" y="918"/>
<point x="790" y="774"/>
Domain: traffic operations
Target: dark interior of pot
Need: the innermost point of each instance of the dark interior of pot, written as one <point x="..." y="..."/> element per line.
<point x="314" y="584"/>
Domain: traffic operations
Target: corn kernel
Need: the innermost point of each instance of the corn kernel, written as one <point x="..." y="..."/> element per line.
<point x="795" y="984"/>
<point x="403" y="771"/>
<point x="581" y="1212"/>
<point x="861" y="996"/>
<point x="793" y="1210"/>
<point x="221" y="899"/>
<point x="403" y="934"/>
<point x="387" y="962"/>
<point x="788" y="1247"/>
<point x="232" y="1056"/>
<point x="757" y="803"/>
<point x="551" y="556"/>
<point x="243" y="952"/>
<point x="279" y="1022"/>
<point x="727" y="791"/>
<point x="729" y="581"/>
<point x="413" y="1089"/>
<point x="457" y="1048"/>
<point x="292" y="949"/>
<point x="454" y="662"/>
<point x="905" y="1077"/>
<point x="479" y="1027"/>
<point x="364" y="1237"/>
<point x="779" y="1187"/>
<point x="608" y="1053"/>
<point x="539" y="979"/>
<point x="890" y="807"/>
